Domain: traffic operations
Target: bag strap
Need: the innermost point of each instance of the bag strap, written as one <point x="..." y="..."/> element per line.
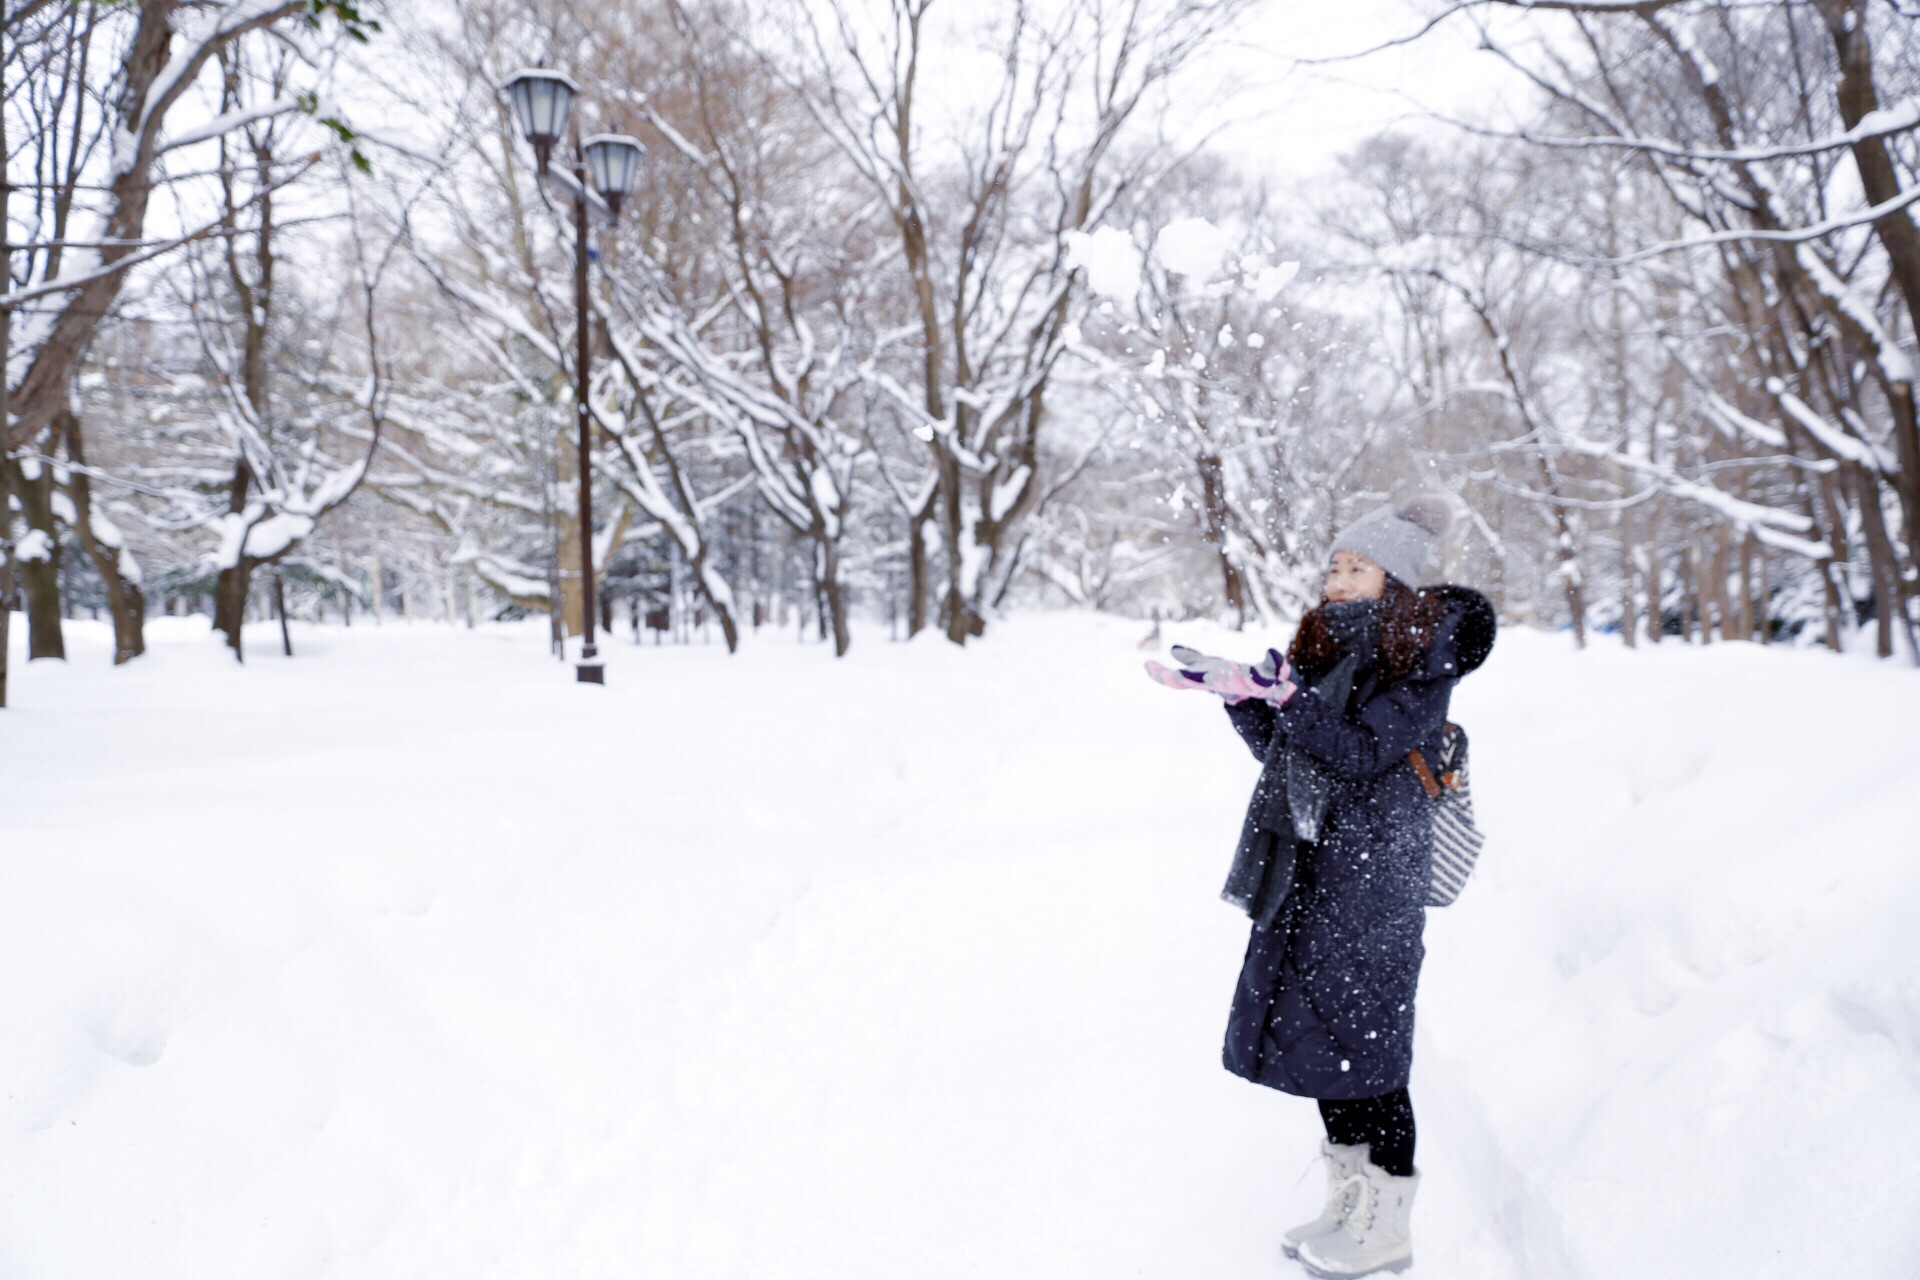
<point x="1425" y="774"/>
<point x="1422" y="772"/>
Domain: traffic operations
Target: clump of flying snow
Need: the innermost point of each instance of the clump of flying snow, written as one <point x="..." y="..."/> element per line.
<point x="1192" y="247"/>
<point x="1269" y="281"/>
<point x="1111" y="260"/>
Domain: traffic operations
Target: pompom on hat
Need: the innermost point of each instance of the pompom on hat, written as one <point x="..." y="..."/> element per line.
<point x="1400" y="537"/>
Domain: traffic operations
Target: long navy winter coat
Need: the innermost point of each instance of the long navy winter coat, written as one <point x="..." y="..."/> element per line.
<point x="1324" y="1007"/>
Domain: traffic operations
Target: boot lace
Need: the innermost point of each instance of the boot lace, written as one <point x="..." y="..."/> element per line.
<point x="1338" y="1189"/>
<point x="1359" y="1218"/>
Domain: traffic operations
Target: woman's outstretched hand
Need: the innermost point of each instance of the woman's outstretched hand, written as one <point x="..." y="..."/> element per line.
<point x="1270" y="679"/>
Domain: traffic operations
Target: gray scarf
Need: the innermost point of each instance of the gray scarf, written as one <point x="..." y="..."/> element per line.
<point x="1263" y="870"/>
<point x="1354" y="626"/>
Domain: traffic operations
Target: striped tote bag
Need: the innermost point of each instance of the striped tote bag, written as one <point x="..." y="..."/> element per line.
<point x="1456" y="837"/>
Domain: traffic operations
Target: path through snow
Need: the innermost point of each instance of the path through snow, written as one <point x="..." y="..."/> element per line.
<point x="408" y="958"/>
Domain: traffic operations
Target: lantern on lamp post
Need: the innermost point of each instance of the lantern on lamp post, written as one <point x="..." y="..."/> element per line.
<point x="542" y="99"/>
<point x="613" y="160"/>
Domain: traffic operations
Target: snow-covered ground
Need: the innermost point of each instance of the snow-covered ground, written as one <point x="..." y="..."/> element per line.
<point x="410" y="958"/>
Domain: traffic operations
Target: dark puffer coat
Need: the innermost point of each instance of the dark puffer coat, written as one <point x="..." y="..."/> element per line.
<point x="1324" y="1007"/>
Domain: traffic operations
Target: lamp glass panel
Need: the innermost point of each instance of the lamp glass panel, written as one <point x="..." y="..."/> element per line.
<point x="541" y="99"/>
<point x="614" y="160"/>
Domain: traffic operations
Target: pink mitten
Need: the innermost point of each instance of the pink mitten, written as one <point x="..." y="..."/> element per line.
<point x="1202" y="671"/>
<point x="1234" y="681"/>
<point x="1175" y="679"/>
<point x="1275" y="675"/>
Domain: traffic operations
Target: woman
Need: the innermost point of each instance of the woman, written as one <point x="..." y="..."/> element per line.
<point x="1333" y="862"/>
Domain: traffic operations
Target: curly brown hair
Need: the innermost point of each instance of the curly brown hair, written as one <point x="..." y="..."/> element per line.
<point x="1408" y="619"/>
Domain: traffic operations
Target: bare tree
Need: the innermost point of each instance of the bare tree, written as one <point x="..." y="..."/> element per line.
<point x="1748" y="328"/>
<point x="983" y="244"/>
<point x="1272" y="404"/>
<point x="98" y="85"/>
<point x="502" y="276"/>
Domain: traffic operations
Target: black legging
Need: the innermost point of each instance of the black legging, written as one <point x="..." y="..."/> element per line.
<point x="1383" y="1124"/>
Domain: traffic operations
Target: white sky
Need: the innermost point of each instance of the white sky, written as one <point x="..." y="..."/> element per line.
<point x="1284" y="118"/>
<point x="1298" y="118"/>
<point x="1287" y="119"/>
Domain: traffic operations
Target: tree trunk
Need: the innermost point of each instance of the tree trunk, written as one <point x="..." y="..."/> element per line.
<point x="1766" y="601"/>
<point x="834" y="592"/>
<point x="1629" y="596"/>
<point x="1830" y="589"/>
<point x="917" y="587"/>
<point x="572" y="593"/>
<point x="280" y="608"/>
<point x="957" y="616"/>
<point x="231" y="587"/>
<point x="1857" y="96"/>
<point x="6" y="539"/>
<point x="1575" y="588"/>
<point x="230" y="593"/>
<point x="39" y="561"/>
<point x="1656" y="579"/>
<point x="1889" y="595"/>
<point x="729" y="625"/>
<point x="377" y="583"/>
<point x="6" y="414"/>
<point x="125" y="602"/>
<point x="1695" y="623"/>
<point x="1717" y="583"/>
<point x="1213" y="505"/>
<point x="1743" y="618"/>
<point x="1820" y="504"/>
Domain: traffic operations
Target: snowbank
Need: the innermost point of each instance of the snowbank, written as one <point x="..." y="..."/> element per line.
<point x="410" y="957"/>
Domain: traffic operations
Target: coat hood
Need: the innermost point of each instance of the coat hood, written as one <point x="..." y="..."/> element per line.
<point x="1466" y="637"/>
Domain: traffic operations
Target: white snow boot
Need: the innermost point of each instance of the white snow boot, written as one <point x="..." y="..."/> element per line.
<point x="1342" y="1164"/>
<point x="1374" y="1236"/>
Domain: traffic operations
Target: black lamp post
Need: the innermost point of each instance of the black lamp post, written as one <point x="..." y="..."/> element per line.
<point x="542" y="99"/>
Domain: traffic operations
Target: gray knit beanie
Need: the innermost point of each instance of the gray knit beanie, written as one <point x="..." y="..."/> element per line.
<point x="1398" y="538"/>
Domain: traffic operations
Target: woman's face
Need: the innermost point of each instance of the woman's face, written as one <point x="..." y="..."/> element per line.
<point x="1354" y="577"/>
